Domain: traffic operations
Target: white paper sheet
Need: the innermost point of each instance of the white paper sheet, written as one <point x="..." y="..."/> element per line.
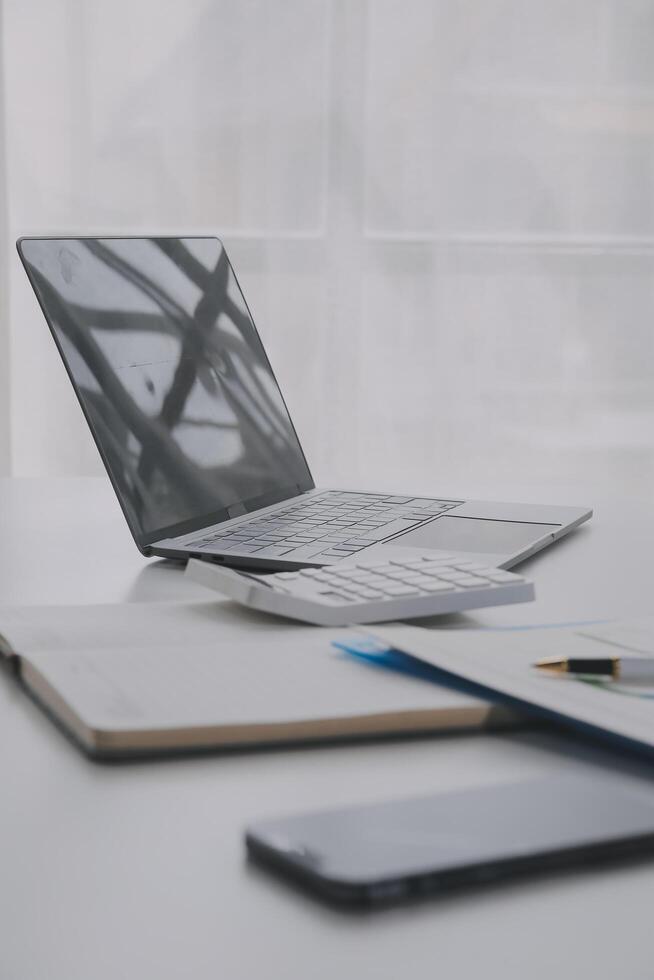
<point x="502" y="661"/>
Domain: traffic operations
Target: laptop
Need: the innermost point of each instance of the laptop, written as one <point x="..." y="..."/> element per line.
<point x="177" y="389"/>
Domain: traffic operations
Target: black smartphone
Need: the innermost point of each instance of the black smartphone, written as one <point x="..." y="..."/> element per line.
<point x="389" y="851"/>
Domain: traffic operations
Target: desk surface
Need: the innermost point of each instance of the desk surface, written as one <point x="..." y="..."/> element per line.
<point x="137" y="870"/>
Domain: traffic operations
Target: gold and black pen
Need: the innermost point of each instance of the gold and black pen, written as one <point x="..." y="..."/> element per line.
<point x="615" y="668"/>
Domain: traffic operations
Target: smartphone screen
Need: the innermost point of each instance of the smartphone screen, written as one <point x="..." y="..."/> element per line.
<point x="386" y="851"/>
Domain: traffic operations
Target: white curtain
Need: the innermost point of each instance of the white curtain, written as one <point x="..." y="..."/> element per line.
<point x="441" y="213"/>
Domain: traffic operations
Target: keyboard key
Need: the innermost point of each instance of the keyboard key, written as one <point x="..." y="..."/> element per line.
<point x="274" y="551"/>
<point x="306" y="553"/>
<point x="434" y="586"/>
<point x="434" y="567"/>
<point x="336" y="597"/>
<point x="472" y="582"/>
<point x="218" y="547"/>
<point x="369" y="594"/>
<point x="399" y="589"/>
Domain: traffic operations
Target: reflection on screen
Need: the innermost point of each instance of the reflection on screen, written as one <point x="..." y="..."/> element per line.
<point x="171" y="372"/>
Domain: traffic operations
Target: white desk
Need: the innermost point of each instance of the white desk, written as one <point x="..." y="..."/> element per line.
<point x="137" y="870"/>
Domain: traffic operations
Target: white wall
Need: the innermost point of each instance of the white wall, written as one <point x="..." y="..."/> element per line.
<point x="441" y="212"/>
<point x="4" y="294"/>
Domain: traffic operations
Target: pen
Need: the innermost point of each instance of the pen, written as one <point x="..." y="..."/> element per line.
<point x="617" y="668"/>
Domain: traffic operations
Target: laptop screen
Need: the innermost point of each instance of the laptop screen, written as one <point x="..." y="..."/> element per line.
<point x="172" y="376"/>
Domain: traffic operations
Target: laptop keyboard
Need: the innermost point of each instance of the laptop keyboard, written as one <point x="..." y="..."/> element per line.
<point x="329" y="525"/>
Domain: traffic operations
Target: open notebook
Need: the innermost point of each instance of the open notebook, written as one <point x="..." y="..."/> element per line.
<point x="146" y="677"/>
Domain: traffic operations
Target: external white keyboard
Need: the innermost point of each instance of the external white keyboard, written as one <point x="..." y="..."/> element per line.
<point x="368" y="591"/>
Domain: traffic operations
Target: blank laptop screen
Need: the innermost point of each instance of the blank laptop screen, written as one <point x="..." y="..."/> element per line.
<point x="172" y="376"/>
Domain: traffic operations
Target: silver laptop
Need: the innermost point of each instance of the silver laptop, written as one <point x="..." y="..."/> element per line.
<point x="192" y="427"/>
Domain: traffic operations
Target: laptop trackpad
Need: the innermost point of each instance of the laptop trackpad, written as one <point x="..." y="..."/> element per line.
<point x="473" y="534"/>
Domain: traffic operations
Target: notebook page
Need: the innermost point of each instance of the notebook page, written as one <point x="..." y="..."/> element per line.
<point x="157" y="624"/>
<point x="202" y="686"/>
